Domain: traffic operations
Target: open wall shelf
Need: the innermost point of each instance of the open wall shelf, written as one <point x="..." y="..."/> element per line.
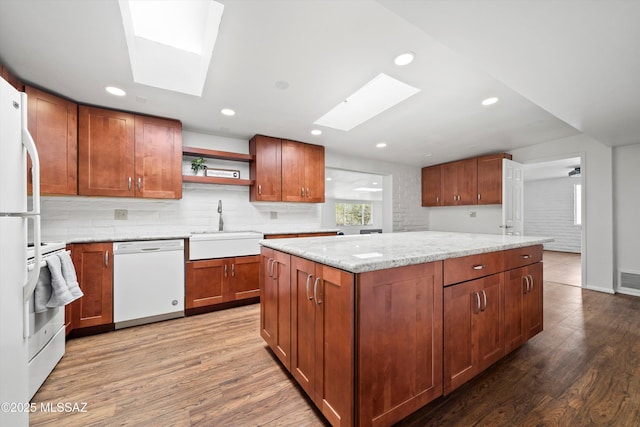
<point x="216" y="154"/>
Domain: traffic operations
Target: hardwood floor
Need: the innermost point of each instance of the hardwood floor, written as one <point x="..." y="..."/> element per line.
<point x="563" y="267"/>
<point x="215" y="370"/>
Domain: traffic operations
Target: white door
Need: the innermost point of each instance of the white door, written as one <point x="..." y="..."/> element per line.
<point x="512" y="198"/>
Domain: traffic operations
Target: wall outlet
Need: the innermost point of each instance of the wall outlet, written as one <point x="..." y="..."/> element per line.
<point x="273" y="215"/>
<point x="120" y="214"/>
<point x="472" y="214"/>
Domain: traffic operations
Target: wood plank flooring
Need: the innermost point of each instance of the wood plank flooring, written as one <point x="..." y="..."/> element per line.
<point x="562" y="267"/>
<point x="214" y="370"/>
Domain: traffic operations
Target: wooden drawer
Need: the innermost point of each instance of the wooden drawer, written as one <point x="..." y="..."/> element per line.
<point x="514" y="258"/>
<point x="471" y="267"/>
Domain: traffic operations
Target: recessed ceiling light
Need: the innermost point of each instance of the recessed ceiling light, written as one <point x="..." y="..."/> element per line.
<point x="376" y="96"/>
<point x="282" y="85"/>
<point x="404" y="58"/>
<point x="490" y="101"/>
<point x="316" y="132"/>
<point x="115" y="91"/>
<point x="381" y="144"/>
<point x="428" y="154"/>
<point x="374" y="183"/>
<point x="228" y="112"/>
<point x="329" y="178"/>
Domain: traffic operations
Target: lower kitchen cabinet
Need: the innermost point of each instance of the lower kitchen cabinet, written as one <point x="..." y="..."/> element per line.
<point x="523" y="305"/>
<point x="214" y="281"/>
<point x="399" y="342"/>
<point x="275" y="303"/>
<point x="473" y="328"/>
<point x="94" y="267"/>
<point x="322" y="337"/>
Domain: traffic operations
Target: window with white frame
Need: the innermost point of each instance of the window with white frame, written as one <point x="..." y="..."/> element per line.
<point x="353" y="214"/>
<point x="577" y="204"/>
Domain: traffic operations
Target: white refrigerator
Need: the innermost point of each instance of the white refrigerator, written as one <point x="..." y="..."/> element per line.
<point x="17" y="222"/>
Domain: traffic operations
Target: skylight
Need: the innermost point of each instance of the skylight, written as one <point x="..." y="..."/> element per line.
<point x="378" y="95"/>
<point x="170" y="42"/>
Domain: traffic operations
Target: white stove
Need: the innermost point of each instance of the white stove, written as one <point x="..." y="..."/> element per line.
<point x="45" y="248"/>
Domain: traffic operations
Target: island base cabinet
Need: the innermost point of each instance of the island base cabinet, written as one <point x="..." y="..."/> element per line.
<point x="322" y="337"/>
<point x="473" y="328"/>
<point x="399" y="342"/>
<point x="523" y="305"/>
<point x="275" y="303"/>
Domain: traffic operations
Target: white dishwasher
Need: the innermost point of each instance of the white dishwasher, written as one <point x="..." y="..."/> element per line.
<point x="148" y="281"/>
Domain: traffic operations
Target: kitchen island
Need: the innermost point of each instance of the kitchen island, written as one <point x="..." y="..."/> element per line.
<point x="373" y="327"/>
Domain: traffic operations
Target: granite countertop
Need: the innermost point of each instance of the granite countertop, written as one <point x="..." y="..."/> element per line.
<point x="301" y="231"/>
<point x="370" y="252"/>
<point x="123" y="237"/>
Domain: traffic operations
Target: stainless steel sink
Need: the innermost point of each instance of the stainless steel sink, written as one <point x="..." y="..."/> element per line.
<point x="223" y="244"/>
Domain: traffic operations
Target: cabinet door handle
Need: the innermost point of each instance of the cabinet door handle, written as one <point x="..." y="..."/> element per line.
<point x="526" y="256"/>
<point x="270" y="267"/>
<point x="308" y="192"/>
<point x="478" y="267"/>
<point x="129" y="184"/>
<point x="275" y="269"/>
<point x="437" y="199"/>
<point x="484" y="296"/>
<point x="309" y="297"/>
<point x="478" y="196"/>
<point x="315" y="291"/>
<point x="139" y="184"/>
<point x="233" y="270"/>
<point x="531" y="281"/>
<point x="301" y="191"/>
<point x="260" y="189"/>
<point x="477" y="310"/>
<point x="225" y="270"/>
<point x="106" y="258"/>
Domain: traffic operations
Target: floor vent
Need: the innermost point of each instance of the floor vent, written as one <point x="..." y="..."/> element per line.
<point x="629" y="282"/>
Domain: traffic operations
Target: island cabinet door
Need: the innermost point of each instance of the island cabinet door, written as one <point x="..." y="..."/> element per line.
<point x="473" y="328"/>
<point x="399" y="342"/>
<point x="523" y="305"/>
<point x="275" y="303"/>
<point x="322" y="337"/>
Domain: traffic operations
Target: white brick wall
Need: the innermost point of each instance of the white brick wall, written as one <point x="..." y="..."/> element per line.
<point x="70" y="218"/>
<point x="549" y="211"/>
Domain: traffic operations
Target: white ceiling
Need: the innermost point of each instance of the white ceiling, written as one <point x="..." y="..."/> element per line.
<point x="549" y="62"/>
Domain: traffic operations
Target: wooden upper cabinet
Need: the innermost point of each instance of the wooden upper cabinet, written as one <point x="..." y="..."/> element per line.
<point x="122" y="154"/>
<point x="431" y="186"/>
<point x="490" y="178"/>
<point x="158" y="158"/>
<point x="53" y="124"/>
<point x="266" y="169"/>
<point x="11" y="78"/>
<point x="302" y="172"/>
<point x="287" y="171"/>
<point x="459" y="182"/>
<point x="314" y="173"/>
<point x="106" y="149"/>
<point x="293" y="174"/>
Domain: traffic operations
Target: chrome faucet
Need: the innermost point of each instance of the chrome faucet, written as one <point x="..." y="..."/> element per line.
<point x="221" y="222"/>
